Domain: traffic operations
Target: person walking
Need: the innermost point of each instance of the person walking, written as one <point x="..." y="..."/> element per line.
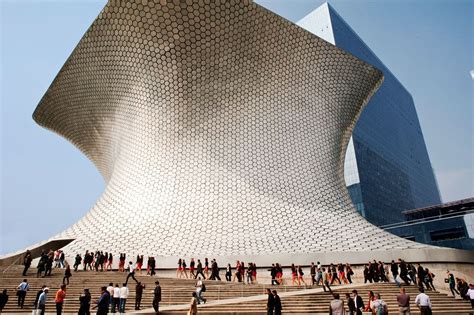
<point x="300" y="275"/>
<point x="41" y="264"/>
<point x="85" y="303"/>
<point x="403" y="301"/>
<point x="110" y="261"/>
<point x="228" y="273"/>
<point x="273" y="274"/>
<point x="403" y="271"/>
<point x="59" y="299"/>
<point x="35" y="304"/>
<point x="77" y="262"/>
<point x="3" y="299"/>
<point x="277" y="299"/>
<point x="379" y="306"/>
<point x="215" y="270"/>
<point x="199" y="270"/>
<point x="294" y="274"/>
<point x="27" y="262"/>
<point x="184" y="269"/>
<point x="193" y="305"/>
<point x="350" y="304"/>
<point x="200" y="288"/>
<point x="67" y="274"/>
<point x="22" y="288"/>
<point x="110" y="289"/>
<point x="124" y="292"/>
<point x="452" y="284"/>
<point x="312" y="272"/>
<point x="325" y="277"/>
<point x="337" y="306"/>
<point x="103" y="302"/>
<point x="349" y="272"/>
<point x="192" y="268"/>
<point x="42" y="300"/>
<point x="358" y="302"/>
<point x="116" y="299"/>
<point x="270" y="302"/>
<point x="157" y="297"/>
<point x="470" y="294"/>
<point x="394" y="271"/>
<point x="333" y="271"/>
<point x="152" y="266"/>
<point x="131" y="273"/>
<point x="206" y="268"/>
<point x="138" y="295"/>
<point x="429" y="279"/>
<point x="423" y="302"/>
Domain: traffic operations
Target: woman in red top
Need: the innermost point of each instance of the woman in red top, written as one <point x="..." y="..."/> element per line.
<point x="139" y="263"/>
<point x="300" y="275"/>
<point x="294" y="276"/>
<point x="179" y="271"/>
<point x="279" y="274"/>
<point x="184" y="269"/>
<point x="254" y="273"/>
<point x="109" y="262"/>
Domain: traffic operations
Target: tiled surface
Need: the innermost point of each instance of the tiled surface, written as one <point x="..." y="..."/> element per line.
<point x="219" y="127"/>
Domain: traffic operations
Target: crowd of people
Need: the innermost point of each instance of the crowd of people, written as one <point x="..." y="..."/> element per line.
<point x="113" y="298"/>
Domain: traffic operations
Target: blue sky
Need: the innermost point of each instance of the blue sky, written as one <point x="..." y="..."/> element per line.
<point x="47" y="184"/>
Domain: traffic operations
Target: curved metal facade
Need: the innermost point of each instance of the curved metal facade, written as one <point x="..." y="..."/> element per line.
<point x="220" y="129"/>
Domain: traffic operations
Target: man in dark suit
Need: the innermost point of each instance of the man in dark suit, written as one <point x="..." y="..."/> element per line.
<point x="270" y="302"/>
<point x="359" y="303"/>
<point x="157" y="297"/>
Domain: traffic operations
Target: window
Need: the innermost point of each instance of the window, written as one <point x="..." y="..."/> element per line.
<point x="448" y="234"/>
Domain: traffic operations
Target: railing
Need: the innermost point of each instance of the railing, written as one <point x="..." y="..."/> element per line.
<point x="15" y="262"/>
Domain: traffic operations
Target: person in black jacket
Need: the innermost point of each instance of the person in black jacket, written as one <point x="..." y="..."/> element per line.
<point x="103" y="302"/>
<point x="366" y="274"/>
<point x="312" y="273"/>
<point x="270" y="302"/>
<point x="277" y="303"/>
<point x="403" y="271"/>
<point x="138" y="295"/>
<point x="358" y="302"/>
<point x="420" y="272"/>
<point x="350" y="304"/>
<point x="3" y="299"/>
<point x="157" y="297"/>
<point x="273" y="274"/>
<point x="85" y="303"/>
<point x="27" y="261"/>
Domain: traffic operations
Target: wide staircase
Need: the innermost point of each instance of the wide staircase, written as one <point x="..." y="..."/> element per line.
<point x="318" y="303"/>
<point x="176" y="292"/>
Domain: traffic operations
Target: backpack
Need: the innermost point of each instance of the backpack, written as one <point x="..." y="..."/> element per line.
<point x="382" y="309"/>
<point x="203" y="288"/>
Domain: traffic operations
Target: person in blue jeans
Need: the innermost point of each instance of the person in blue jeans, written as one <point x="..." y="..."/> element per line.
<point x="124" y="292"/>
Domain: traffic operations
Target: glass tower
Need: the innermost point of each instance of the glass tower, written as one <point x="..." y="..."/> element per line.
<point x="387" y="167"/>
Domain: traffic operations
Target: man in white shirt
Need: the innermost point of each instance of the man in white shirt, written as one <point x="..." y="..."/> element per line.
<point x="42" y="301"/>
<point x="423" y="302"/>
<point x="470" y="294"/>
<point x="131" y="273"/>
<point x="110" y="289"/>
<point x="123" y="297"/>
<point x="116" y="298"/>
<point x="22" y="288"/>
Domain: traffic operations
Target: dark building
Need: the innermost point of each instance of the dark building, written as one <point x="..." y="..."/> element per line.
<point x="450" y="224"/>
<point x="387" y="166"/>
